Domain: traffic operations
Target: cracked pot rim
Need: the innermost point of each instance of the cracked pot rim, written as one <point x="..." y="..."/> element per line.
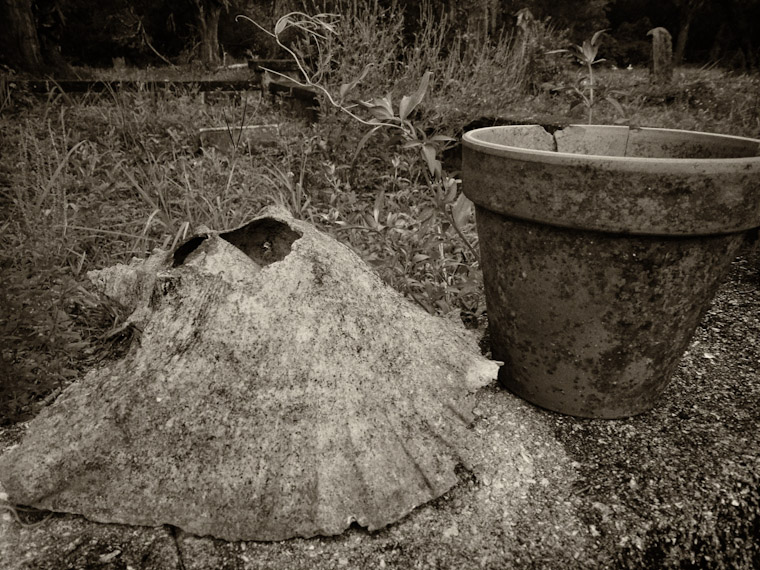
<point x="478" y="140"/>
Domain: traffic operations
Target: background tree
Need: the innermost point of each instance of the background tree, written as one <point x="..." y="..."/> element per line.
<point x="483" y="19"/>
<point x="43" y="35"/>
<point x="95" y="33"/>
<point x="688" y="9"/>
<point x="211" y="15"/>
<point x="580" y="17"/>
<point x="19" y="40"/>
<point x="207" y="14"/>
<point x="737" y="40"/>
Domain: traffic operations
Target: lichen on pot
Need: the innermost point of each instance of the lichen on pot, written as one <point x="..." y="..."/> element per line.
<point x="601" y="247"/>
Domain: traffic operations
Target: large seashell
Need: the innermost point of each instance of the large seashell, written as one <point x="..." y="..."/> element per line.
<point x="278" y="389"/>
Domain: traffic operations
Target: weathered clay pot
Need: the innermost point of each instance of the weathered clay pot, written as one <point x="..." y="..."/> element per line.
<point x="601" y="249"/>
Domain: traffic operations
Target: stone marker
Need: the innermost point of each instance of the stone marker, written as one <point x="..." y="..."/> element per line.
<point x="662" y="56"/>
<point x="238" y="139"/>
<point x="277" y="388"/>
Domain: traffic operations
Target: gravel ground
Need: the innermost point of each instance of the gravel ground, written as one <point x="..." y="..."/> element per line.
<point x="676" y="487"/>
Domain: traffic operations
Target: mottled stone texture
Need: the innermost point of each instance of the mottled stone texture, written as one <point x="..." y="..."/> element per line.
<point x="278" y="389"/>
<point x="662" y="55"/>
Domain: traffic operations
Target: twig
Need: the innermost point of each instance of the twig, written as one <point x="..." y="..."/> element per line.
<point x="14" y="510"/>
<point x="150" y="45"/>
<point x="462" y="236"/>
<point x="308" y="81"/>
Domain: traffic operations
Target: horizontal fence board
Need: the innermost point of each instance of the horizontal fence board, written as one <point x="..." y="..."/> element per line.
<point x="83" y="86"/>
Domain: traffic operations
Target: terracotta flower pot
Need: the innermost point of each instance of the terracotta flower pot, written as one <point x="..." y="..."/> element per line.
<point x="601" y="248"/>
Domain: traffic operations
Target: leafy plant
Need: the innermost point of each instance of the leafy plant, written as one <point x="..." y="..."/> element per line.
<point x="290" y="191"/>
<point x="586" y="87"/>
<point x="384" y="115"/>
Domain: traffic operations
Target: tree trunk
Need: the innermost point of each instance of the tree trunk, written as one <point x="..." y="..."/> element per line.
<point x="719" y="43"/>
<point x="495" y="18"/>
<point x="688" y="9"/>
<point x="683" y="34"/>
<point x="483" y="20"/>
<point x="478" y="22"/>
<point x="740" y="22"/>
<point x="20" y="42"/>
<point x="662" y="56"/>
<point x="208" y="12"/>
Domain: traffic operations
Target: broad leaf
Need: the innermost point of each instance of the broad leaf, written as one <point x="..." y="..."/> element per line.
<point x="411" y="144"/>
<point x="434" y="165"/>
<point x="363" y="141"/>
<point x="409" y="103"/>
<point x="403" y="107"/>
<point x="589" y="51"/>
<point x="450" y="188"/>
<point x="378" y="207"/>
<point x="281" y="24"/>
<point x="461" y="211"/>
<point x="595" y="37"/>
<point x="616" y="104"/>
<point x="380" y="108"/>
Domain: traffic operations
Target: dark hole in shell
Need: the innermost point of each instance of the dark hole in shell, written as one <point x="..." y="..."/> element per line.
<point x="265" y="241"/>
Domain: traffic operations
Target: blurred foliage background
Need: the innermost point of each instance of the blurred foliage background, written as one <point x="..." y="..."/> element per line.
<point x="48" y="35"/>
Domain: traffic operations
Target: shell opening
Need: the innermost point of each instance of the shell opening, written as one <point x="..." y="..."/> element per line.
<point x="265" y="240"/>
<point x="184" y="250"/>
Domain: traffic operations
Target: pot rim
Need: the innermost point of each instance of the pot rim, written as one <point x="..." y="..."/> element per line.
<point x="470" y="139"/>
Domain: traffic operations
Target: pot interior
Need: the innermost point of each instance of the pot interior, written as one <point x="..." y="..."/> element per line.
<point x="622" y="141"/>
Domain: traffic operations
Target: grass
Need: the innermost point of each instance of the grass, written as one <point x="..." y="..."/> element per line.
<point x="92" y="180"/>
